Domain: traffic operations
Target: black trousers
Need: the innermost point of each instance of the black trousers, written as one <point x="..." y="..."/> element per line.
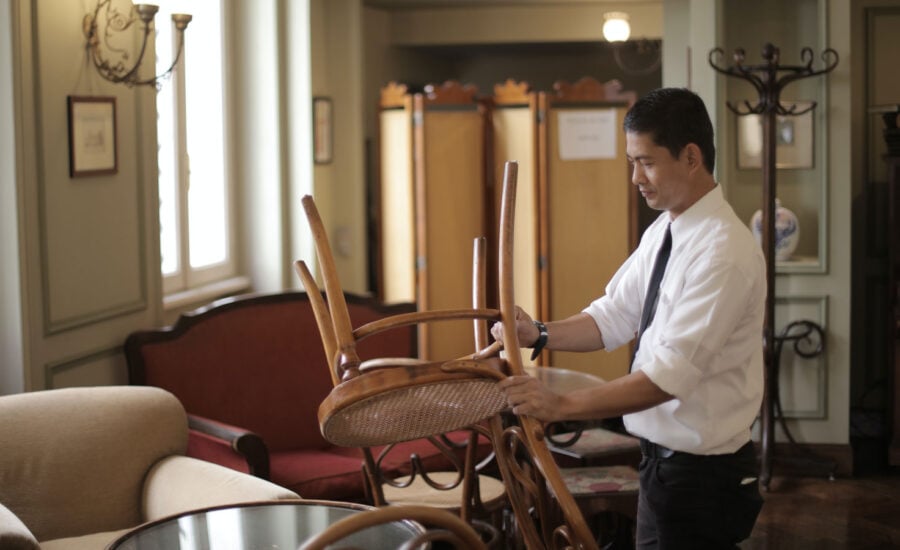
<point x="696" y="502"/>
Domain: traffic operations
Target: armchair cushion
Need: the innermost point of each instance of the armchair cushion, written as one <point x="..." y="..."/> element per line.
<point x="13" y="533"/>
<point x="201" y="484"/>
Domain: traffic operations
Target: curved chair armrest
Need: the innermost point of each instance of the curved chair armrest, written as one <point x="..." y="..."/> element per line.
<point x="417" y="317"/>
<point x="14" y="535"/>
<point x="248" y="445"/>
<point x="180" y="483"/>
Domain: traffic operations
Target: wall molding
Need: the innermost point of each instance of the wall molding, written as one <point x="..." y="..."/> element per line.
<point x="820" y="302"/>
<point x="137" y="303"/>
<point x="55" y="368"/>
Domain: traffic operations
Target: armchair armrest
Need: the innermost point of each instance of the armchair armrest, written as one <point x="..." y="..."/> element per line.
<point x="179" y="483"/>
<point x="14" y="535"/>
<point x="227" y="445"/>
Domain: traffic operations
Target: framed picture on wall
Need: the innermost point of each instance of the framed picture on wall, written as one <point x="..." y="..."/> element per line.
<point x="794" y="138"/>
<point x="323" y="140"/>
<point x="92" y="136"/>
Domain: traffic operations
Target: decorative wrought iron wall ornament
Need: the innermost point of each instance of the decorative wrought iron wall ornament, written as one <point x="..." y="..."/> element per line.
<point x="769" y="79"/>
<point x="638" y="57"/>
<point x="107" y="21"/>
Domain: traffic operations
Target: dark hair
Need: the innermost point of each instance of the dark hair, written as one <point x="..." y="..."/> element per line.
<point x="674" y="117"/>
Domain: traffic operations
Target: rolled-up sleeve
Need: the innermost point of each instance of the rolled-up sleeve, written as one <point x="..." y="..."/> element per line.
<point x="617" y="313"/>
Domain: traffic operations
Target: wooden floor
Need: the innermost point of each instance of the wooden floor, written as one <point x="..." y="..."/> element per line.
<point x="815" y="513"/>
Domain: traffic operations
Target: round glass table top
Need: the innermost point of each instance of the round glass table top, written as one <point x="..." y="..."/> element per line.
<point x="275" y="525"/>
<point x="563" y="380"/>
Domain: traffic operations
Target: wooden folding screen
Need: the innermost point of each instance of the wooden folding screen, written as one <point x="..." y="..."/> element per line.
<point x="591" y="214"/>
<point x="582" y="210"/>
<point x="433" y="204"/>
<point x="576" y="218"/>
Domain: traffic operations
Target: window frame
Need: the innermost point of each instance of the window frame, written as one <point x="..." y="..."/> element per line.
<point x="214" y="279"/>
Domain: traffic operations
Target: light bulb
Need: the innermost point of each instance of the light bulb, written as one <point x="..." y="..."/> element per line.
<point x="616" y="27"/>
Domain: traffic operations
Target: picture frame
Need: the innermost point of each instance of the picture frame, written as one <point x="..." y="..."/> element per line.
<point x="794" y="139"/>
<point x="93" y="149"/>
<point x="323" y="137"/>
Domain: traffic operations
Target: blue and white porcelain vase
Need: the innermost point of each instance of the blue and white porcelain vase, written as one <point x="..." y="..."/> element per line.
<point x="787" y="231"/>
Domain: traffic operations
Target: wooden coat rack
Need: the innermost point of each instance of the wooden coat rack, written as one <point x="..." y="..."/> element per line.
<point x="769" y="79"/>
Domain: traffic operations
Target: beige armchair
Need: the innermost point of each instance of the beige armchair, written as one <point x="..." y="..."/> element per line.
<point x="80" y="466"/>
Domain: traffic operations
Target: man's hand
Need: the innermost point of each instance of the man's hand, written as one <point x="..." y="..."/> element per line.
<point x="527" y="332"/>
<point x="528" y="395"/>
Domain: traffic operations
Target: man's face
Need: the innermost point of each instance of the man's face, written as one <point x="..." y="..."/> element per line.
<point x="662" y="179"/>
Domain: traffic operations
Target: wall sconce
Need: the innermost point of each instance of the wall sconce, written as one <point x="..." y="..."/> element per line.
<point x="616" y="30"/>
<point x="113" y="21"/>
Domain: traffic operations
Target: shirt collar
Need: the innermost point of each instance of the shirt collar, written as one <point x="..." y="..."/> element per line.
<point x="691" y="219"/>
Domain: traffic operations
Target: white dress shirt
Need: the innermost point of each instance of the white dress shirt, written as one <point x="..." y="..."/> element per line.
<point x="705" y="344"/>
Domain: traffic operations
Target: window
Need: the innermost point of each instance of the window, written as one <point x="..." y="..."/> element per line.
<point x="196" y="236"/>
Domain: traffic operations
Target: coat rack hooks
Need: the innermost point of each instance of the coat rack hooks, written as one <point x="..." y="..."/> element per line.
<point x="769" y="79"/>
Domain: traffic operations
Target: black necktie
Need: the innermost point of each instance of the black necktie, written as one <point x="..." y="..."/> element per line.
<point x="659" y="267"/>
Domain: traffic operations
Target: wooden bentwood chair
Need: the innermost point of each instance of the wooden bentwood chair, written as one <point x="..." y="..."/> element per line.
<point x="388" y="400"/>
<point x="449" y="473"/>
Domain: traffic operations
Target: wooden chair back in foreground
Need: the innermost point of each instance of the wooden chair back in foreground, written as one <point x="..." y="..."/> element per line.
<point x="393" y="399"/>
<point x="547" y="515"/>
<point x="439" y="526"/>
<point x="441" y="470"/>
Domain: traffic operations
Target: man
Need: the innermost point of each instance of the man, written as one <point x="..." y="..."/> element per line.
<point x="696" y="379"/>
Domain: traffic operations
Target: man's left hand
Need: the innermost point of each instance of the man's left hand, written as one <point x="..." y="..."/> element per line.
<point x="529" y="396"/>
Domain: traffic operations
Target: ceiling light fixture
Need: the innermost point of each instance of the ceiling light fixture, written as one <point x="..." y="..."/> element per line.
<point x="616" y="27"/>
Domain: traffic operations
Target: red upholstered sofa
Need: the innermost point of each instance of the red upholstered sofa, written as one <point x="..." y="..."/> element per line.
<point x="251" y="373"/>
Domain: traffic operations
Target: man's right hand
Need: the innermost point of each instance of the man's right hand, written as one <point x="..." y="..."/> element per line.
<point x="525" y="329"/>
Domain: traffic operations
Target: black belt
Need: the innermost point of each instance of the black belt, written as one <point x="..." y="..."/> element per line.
<point x="652" y="450"/>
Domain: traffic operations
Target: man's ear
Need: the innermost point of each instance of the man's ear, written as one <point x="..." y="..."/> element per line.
<point x="693" y="155"/>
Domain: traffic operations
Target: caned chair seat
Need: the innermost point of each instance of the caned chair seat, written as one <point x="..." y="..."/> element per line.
<point x="409" y="402"/>
<point x="419" y="491"/>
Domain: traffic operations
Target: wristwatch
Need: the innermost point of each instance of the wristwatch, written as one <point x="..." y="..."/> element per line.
<point x="541" y="341"/>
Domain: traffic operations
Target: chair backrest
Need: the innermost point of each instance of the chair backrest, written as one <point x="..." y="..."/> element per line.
<point x="254" y="361"/>
<point x="73" y="460"/>
<point x="393" y="398"/>
<point x="443" y="469"/>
